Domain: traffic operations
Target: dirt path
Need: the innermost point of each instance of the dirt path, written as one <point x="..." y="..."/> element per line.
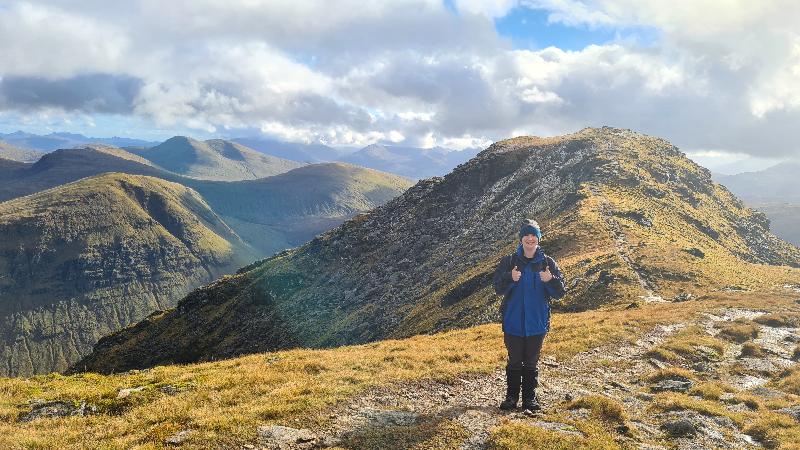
<point x="621" y="244"/>
<point x="614" y="371"/>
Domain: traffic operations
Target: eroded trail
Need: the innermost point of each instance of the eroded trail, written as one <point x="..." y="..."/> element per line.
<point x="462" y="413"/>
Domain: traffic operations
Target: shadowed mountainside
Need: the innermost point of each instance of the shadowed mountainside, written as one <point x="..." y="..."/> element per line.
<point x="49" y="236"/>
<point x="90" y="257"/>
<point x="628" y="217"/>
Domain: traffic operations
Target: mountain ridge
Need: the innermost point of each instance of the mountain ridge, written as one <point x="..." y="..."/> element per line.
<point x="214" y="159"/>
<point x="628" y="215"/>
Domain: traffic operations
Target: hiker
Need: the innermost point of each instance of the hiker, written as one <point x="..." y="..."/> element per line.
<point x="527" y="279"/>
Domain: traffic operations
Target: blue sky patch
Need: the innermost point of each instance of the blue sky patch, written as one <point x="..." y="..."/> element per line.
<point x="528" y="29"/>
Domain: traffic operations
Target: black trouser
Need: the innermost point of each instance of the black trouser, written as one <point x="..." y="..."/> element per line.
<point x="523" y="351"/>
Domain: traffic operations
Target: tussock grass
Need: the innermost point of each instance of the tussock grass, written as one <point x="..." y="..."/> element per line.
<point x="690" y="344"/>
<point x="773" y="430"/>
<point x="516" y="435"/>
<point x="602" y="408"/>
<point x="673" y="401"/>
<point x="751" y="350"/>
<point x="785" y="319"/>
<point x="739" y="330"/>
<point x="670" y="373"/>
<point x="789" y="380"/>
<point x="711" y="390"/>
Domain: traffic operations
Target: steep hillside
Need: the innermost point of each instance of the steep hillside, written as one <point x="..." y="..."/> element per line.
<point x="214" y="159"/>
<point x="254" y="218"/>
<point x="287" y="210"/>
<point x="629" y="218"/>
<point x="8" y="151"/>
<point x="85" y="259"/>
<point x="410" y="162"/>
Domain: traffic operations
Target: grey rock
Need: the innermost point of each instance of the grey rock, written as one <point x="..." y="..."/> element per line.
<point x="683" y="296"/>
<point x="793" y="411"/>
<point x="380" y="417"/>
<point x="280" y="437"/>
<point x="679" y="428"/>
<point x="695" y="252"/>
<point x="646" y="396"/>
<point x="55" y="409"/>
<point x="671" y="385"/>
<point x="178" y="438"/>
<point x="127" y="392"/>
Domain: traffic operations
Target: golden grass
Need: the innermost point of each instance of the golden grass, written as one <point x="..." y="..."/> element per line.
<point x="223" y="402"/>
<point x="789" y="380"/>
<point x="602" y="408"/>
<point x="775" y="430"/>
<point x="739" y="330"/>
<point x="752" y="350"/>
<point x="690" y="344"/>
<point x="670" y="373"/>
<point x="674" y="401"/>
<point x="514" y="435"/>
<point x="711" y="390"/>
<point x="785" y="319"/>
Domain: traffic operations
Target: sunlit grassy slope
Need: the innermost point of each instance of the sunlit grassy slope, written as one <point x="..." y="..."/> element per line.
<point x="223" y="402"/>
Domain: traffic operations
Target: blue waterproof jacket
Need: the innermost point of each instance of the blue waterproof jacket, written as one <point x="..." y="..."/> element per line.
<point x="526" y="303"/>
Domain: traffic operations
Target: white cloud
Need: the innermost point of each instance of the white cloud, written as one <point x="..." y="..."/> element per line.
<point x="490" y="8"/>
<point x="716" y="74"/>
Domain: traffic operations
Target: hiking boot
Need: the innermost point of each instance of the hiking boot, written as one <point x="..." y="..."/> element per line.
<point x="513" y="383"/>
<point x="530" y="380"/>
<point x="531" y="404"/>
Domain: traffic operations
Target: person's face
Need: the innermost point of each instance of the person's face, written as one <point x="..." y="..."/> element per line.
<point x="530" y="241"/>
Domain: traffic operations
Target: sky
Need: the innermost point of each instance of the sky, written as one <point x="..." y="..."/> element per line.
<point x="718" y="78"/>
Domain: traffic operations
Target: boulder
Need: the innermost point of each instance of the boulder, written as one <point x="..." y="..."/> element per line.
<point x="679" y="428"/>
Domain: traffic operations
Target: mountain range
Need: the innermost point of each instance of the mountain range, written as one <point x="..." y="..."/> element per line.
<point x="243" y="157"/>
<point x="214" y="159"/>
<point x="630" y="219"/>
<point x="55" y="141"/>
<point x="10" y="152"/>
<point x="775" y="192"/>
<point x="96" y="238"/>
<point x="411" y="162"/>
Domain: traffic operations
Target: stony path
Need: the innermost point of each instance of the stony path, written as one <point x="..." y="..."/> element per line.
<point x="621" y="245"/>
<point x="614" y="370"/>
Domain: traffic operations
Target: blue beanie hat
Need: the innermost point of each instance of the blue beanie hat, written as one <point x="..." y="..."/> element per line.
<point x="530" y="226"/>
